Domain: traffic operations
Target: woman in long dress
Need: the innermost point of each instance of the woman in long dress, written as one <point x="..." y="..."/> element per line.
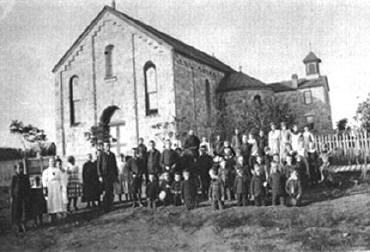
<point x="295" y="137"/>
<point x="285" y="138"/>
<point x="119" y="185"/>
<point x="52" y="180"/>
<point x="74" y="188"/>
<point x="274" y="139"/>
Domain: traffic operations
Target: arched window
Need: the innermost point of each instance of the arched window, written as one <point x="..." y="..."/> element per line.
<point x="208" y="99"/>
<point x="108" y="52"/>
<point x="151" y="96"/>
<point x="74" y="101"/>
<point x="257" y="99"/>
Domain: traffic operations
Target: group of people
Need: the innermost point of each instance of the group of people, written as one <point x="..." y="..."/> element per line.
<point x="265" y="169"/>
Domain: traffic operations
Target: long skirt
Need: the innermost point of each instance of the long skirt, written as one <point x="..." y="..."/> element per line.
<point x="55" y="203"/>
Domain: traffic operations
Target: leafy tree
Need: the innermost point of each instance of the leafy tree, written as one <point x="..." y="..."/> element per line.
<point x="29" y="135"/>
<point x="363" y="114"/>
<point x="99" y="133"/>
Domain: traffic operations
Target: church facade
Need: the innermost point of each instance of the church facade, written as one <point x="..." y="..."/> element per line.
<point x="125" y="74"/>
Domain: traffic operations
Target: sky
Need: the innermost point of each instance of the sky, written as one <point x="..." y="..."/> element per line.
<point x="269" y="39"/>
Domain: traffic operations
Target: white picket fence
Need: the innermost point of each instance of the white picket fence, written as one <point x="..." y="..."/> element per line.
<point x="348" y="148"/>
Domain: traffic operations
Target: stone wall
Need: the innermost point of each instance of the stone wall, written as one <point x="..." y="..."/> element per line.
<point x="132" y="49"/>
<point x="319" y="108"/>
<point x="190" y="89"/>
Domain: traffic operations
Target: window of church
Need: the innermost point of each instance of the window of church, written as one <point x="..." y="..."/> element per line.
<point x="312" y="68"/>
<point x="208" y="99"/>
<point x="151" y="95"/>
<point x="75" y="101"/>
<point x="307" y="95"/>
<point x="108" y="53"/>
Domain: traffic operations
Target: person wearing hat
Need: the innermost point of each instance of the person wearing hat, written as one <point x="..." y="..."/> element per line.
<point x="192" y="143"/>
<point x="108" y="174"/>
<point x="204" y="164"/>
<point x="169" y="158"/>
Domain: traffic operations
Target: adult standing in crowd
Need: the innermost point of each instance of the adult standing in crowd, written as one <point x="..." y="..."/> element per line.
<point x="307" y="137"/>
<point x="74" y="190"/>
<point x="19" y="196"/>
<point x="90" y="181"/>
<point x="236" y="141"/>
<point x="204" y="165"/>
<point x="273" y="139"/>
<point x="153" y="160"/>
<point x="295" y="137"/>
<point x="262" y="142"/>
<point x="218" y="145"/>
<point x="108" y="172"/>
<point x="119" y="186"/>
<point x="245" y="149"/>
<point x="169" y="158"/>
<point x="142" y="152"/>
<point x="52" y="180"/>
<point x="192" y="143"/>
<point x="285" y="138"/>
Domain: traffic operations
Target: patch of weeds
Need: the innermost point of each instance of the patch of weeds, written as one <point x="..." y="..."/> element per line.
<point x="265" y="247"/>
<point x="230" y="221"/>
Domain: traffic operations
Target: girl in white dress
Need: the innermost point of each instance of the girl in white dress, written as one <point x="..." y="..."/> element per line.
<point x="273" y="139"/>
<point x="295" y="137"/>
<point x="52" y="179"/>
<point x="285" y="138"/>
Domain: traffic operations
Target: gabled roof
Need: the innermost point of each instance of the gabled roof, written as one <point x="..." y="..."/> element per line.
<point x="311" y="57"/>
<point x="240" y="81"/>
<point x="284" y="86"/>
<point x="177" y="45"/>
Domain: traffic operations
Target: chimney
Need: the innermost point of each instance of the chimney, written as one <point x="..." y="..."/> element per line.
<point x="240" y="68"/>
<point x="113" y="4"/>
<point x="294" y="81"/>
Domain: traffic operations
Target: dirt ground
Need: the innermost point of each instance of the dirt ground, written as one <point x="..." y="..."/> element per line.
<point x="334" y="218"/>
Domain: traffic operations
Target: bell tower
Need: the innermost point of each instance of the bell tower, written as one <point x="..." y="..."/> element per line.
<point x="312" y="63"/>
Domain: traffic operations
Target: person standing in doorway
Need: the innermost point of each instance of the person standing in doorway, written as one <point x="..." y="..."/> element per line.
<point x="108" y="172"/>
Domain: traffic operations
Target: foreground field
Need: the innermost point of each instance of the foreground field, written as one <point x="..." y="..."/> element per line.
<point x="334" y="219"/>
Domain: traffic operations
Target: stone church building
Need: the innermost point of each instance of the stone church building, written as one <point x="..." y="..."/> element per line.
<point x="128" y="75"/>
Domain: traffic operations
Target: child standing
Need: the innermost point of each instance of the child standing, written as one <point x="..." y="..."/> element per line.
<point x="136" y="189"/>
<point x="324" y="156"/>
<point x="38" y="202"/>
<point x="216" y="189"/>
<point x="277" y="183"/>
<point x="165" y="187"/>
<point x="257" y="185"/>
<point x="152" y="191"/>
<point x="294" y="189"/>
<point x="228" y="173"/>
<point x="176" y="190"/>
<point x="188" y="191"/>
<point x="241" y="187"/>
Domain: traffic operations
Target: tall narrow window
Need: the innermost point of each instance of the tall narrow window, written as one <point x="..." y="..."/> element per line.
<point x="74" y="101"/>
<point x="108" y="52"/>
<point x="208" y="99"/>
<point x="307" y="95"/>
<point x="151" y="96"/>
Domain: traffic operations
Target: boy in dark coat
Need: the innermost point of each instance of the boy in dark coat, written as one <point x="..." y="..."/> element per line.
<point x="176" y="190"/>
<point x="257" y="186"/>
<point x="19" y="197"/>
<point x="38" y="202"/>
<point x="312" y="159"/>
<point x="277" y="183"/>
<point x="153" y="160"/>
<point x="228" y="174"/>
<point x="204" y="164"/>
<point x="294" y="189"/>
<point x="136" y="190"/>
<point x="188" y="191"/>
<point x="152" y="191"/>
<point x="216" y="189"/>
<point x="241" y="186"/>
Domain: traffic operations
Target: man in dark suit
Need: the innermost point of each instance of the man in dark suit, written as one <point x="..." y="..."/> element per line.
<point x="192" y="143"/>
<point x="153" y="160"/>
<point x="108" y="174"/>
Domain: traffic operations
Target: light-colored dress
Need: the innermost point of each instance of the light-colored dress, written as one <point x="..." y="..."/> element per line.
<point x="119" y="187"/>
<point x="285" y="137"/>
<point x="307" y="138"/>
<point x="74" y="187"/>
<point x="52" y="179"/>
<point x="274" y="141"/>
<point x="295" y="139"/>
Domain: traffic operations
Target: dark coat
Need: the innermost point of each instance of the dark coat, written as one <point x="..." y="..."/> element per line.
<point x="176" y="187"/>
<point x="256" y="187"/>
<point x="216" y="189"/>
<point x="277" y="183"/>
<point x="152" y="190"/>
<point x="168" y="158"/>
<point x="188" y="190"/>
<point x="241" y="184"/>
<point x="218" y="147"/>
<point x="153" y="162"/>
<point x="245" y="151"/>
<point x="204" y="164"/>
<point x="192" y="142"/>
<point x="90" y="181"/>
<point x="107" y="166"/>
<point x="20" y="192"/>
<point x="262" y="142"/>
<point x="135" y="184"/>
<point x="38" y="202"/>
<point x="141" y="150"/>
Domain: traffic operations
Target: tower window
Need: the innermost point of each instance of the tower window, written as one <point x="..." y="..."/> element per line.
<point x="108" y="53"/>
<point x="74" y="101"/>
<point x="312" y="68"/>
<point x="307" y="95"/>
<point x="151" y="95"/>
